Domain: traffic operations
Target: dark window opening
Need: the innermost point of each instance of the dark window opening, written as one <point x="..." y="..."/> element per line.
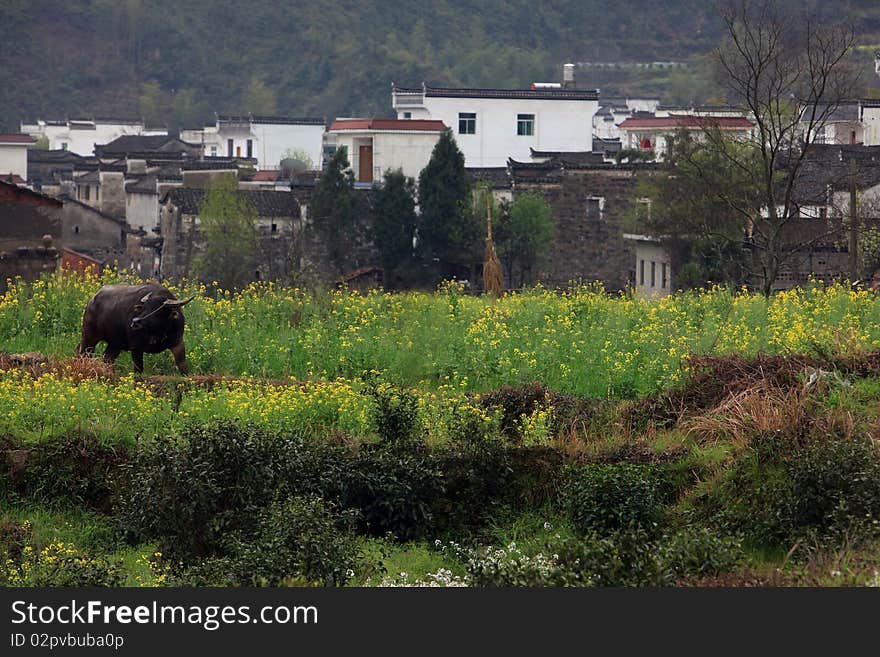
<point x="250" y="147"/>
<point x="653" y="274"/>
<point x="76" y="230"/>
<point x="525" y="125"/>
<point x="229" y="146"/>
<point x="641" y="272"/>
<point x="257" y="275"/>
<point x="663" y="280"/>
<point x="88" y="191"/>
<point x="467" y="123"/>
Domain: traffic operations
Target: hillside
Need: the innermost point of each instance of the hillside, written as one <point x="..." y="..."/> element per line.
<point x="179" y="62"/>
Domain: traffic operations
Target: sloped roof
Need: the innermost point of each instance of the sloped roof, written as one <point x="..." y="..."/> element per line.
<point x="266" y="203"/>
<point x="16" y="138"/>
<point x="70" y="200"/>
<point x="415" y="125"/>
<point x="685" y="121"/>
<point x="143" y="144"/>
<point x="30" y="192"/>
<point x="522" y="94"/>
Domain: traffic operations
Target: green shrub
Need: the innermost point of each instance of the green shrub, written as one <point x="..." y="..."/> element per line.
<point x="397" y="414"/>
<point x="299" y="541"/>
<point x="192" y="492"/>
<point x="779" y="493"/>
<point x="699" y="552"/>
<point x="394" y="489"/>
<point x="55" y="564"/>
<point x="610" y="497"/>
<point x="75" y="469"/>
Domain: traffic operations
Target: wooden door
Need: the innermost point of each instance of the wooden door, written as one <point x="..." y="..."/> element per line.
<point x="365" y="164"/>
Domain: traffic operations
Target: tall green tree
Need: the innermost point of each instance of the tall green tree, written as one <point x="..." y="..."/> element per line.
<point x="335" y="211"/>
<point x="448" y="231"/>
<point x="524" y="234"/>
<point x="228" y="224"/>
<point x="395" y="226"/>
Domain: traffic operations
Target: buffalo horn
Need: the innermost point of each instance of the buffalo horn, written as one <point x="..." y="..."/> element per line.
<point x="145" y="297"/>
<point x="176" y="303"/>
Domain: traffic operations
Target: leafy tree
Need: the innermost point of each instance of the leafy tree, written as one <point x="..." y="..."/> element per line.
<point x="335" y="210"/>
<point x="231" y="241"/>
<point x="395" y="225"/>
<point x="695" y="206"/>
<point x="524" y="234"/>
<point x="151" y="102"/>
<point x="447" y="229"/>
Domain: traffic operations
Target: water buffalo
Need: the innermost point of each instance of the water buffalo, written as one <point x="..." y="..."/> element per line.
<point x="136" y="318"/>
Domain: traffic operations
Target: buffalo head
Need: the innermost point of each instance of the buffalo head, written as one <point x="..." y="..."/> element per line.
<point x="153" y="313"/>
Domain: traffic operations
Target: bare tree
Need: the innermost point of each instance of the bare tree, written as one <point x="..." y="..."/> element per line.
<point x="791" y="74"/>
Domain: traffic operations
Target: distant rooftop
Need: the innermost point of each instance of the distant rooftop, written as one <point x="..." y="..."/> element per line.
<point x="415" y="125"/>
<point x="16" y="138"/>
<point x="686" y="121"/>
<point x="522" y="94"/>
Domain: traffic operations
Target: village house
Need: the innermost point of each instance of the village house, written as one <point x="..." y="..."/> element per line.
<point x="266" y="139"/>
<point x="103" y="238"/>
<point x="613" y="111"/>
<point x="52" y="172"/>
<point x="377" y="145"/>
<point x="654" y="134"/>
<point x="30" y="233"/>
<point x="653" y="266"/>
<point x="279" y="223"/>
<point x="492" y="125"/>
<point x="81" y="135"/>
<point x="13" y="156"/>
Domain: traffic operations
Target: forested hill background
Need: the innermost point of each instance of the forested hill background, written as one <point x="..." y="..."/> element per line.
<point x="178" y="62"/>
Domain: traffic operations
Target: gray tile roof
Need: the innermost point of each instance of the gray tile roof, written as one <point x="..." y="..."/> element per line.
<point x="266" y="203"/>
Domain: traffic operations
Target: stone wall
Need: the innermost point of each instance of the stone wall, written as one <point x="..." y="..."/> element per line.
<point x="588" y="209"/>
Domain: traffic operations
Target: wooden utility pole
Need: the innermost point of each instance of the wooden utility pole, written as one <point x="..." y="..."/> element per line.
<point x="853" y="223"/>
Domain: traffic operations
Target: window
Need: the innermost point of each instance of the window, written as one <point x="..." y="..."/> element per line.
<point x="467" y="123"/>
<point x="64" y="146"/>
<point x="88" y="191"/>
<point x="274" y="228"/>
<point x="76" y="230"/>
<point x="525" y="125"/>
<point x="250" y="147"/>
<point x="643" y="209"/>
<point x="229" y="146"/>
<point x="852" y="137"/>
<point x="641" y="272"/>
<point x="407" y="115"/>
<point x="653" y="274"/>
<point x="213" y="151"/>
<point x="595" y="206"/>
<point x="663" y="281"/>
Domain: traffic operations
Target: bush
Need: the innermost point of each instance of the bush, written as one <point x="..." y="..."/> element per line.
<point x="74" y="469"/>
<point x="397" y="414"/>
<point x="610" y="497"/>
<point x="301" y="540"/>
<point x="699" y="552"/>
<point x="56" y="564"/>
<point x="780" y="493"/>
<point x="192" y="492"/>
<point x="394" y="489"/>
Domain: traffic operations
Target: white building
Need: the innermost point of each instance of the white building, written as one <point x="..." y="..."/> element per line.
<point x="13" y="155"/>
<point x="655" y="133"/>
<point x="870" y="113"/>
<point x="492" y="125"/>
<point x="377" y="145"/>
<point x="266" y="139"/>
<point x="613" y="111"/>
<point x="80" y="135"/>
<point x="653" y="266"/>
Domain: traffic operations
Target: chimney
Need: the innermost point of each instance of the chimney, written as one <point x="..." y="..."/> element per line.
<point x="567" y="76"/>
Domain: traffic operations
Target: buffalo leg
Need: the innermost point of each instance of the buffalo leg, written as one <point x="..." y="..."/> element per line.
<point x="111" y="353"/>
<point x="137" y="357"/>
<point x="179" y="352"/>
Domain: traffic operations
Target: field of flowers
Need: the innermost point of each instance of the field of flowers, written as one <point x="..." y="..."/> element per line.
<point x="566" y="426"/>
<point x="326" y="353"/>
<point x="580" y="341"/>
